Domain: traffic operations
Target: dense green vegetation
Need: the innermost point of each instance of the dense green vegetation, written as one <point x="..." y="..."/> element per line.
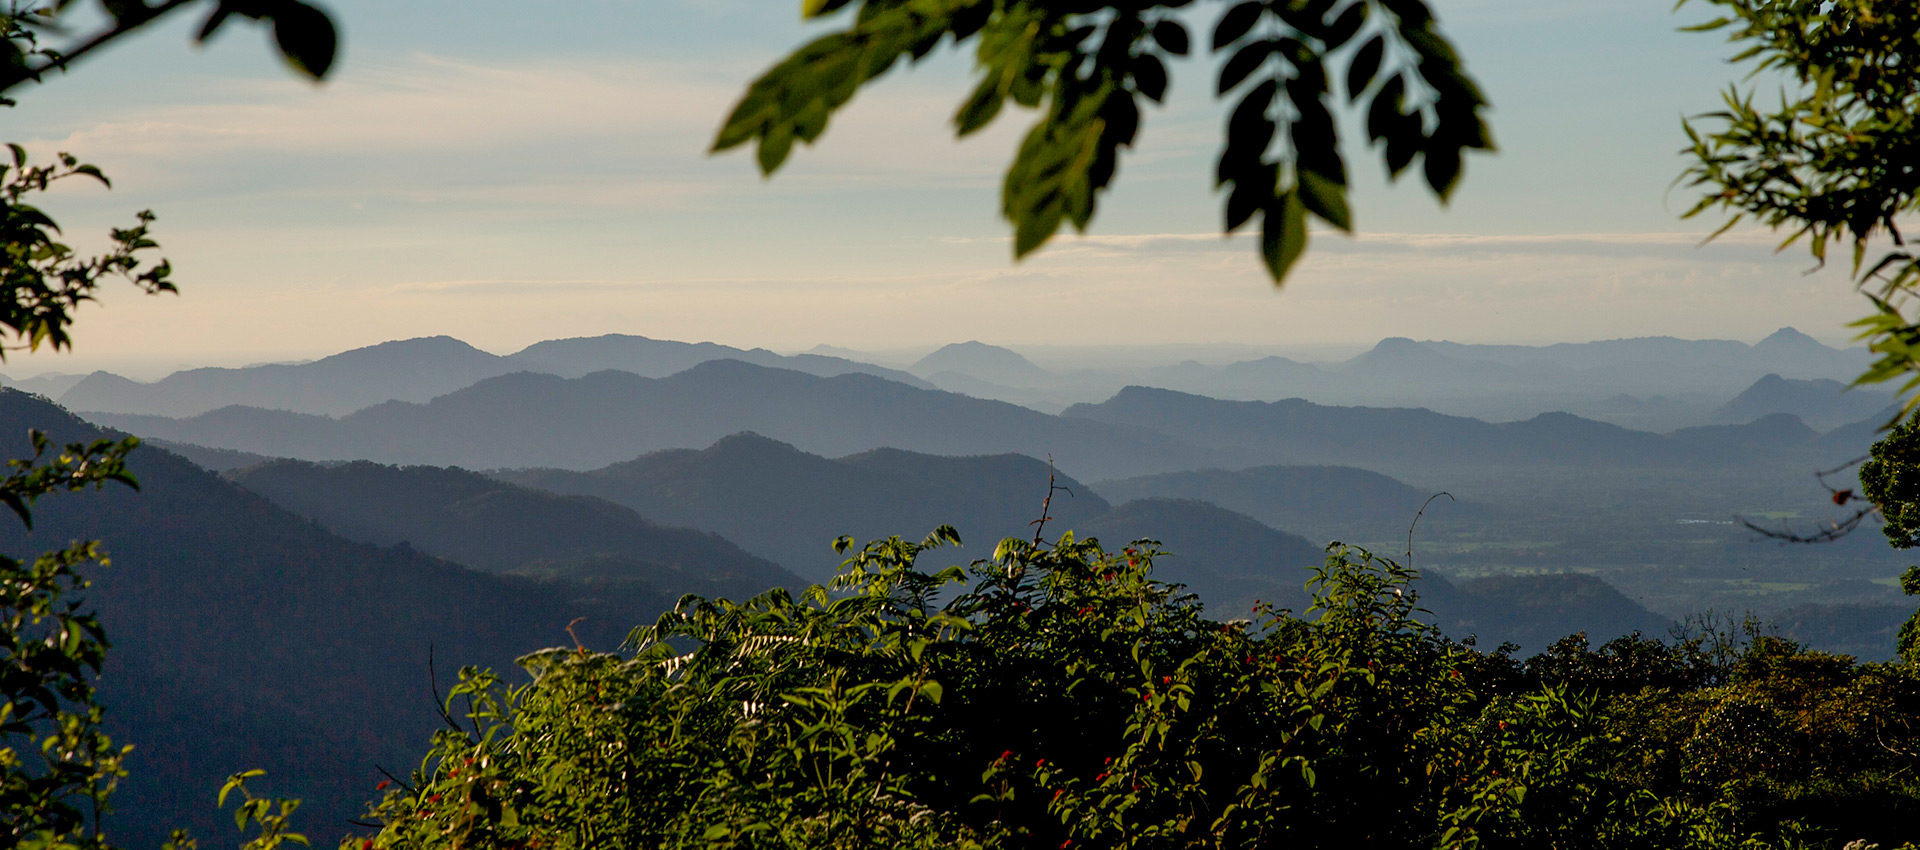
<point x="1063" y="697"/>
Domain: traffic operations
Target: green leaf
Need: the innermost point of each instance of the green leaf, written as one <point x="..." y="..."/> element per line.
<point x="1150" y="77"/>
<point x="1345" y="27"/>
<point x="212" y="24"/>
<point x="306" y="37"/>
<point x="816" y="8"/>
<point x="1252" y="190"/>
<point x="93" y="172"/>
<point x="1283" y="235"/>
<point x="774" y="147"/>
<point x="981" y="107"/>
<point x="1243" y="63"/>
<point x="1236" y="23"/>
<point x="1326" y="199"/>
<point x="1443" y="170"/>
<point x="1171" y="36"/>
<point x="1365" y="64"/>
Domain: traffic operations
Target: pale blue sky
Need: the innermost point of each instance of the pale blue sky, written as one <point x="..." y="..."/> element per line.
<point x="507" y="173"/>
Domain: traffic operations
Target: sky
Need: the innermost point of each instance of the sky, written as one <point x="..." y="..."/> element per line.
<point x="509" y="172"/>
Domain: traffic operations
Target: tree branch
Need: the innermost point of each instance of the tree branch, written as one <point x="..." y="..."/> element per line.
<point x="62" y="59"/>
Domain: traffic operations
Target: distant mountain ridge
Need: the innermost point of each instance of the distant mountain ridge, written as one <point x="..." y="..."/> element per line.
<point x="1815" y="401"/>
<point x="413" y="369"/>
<point x="1681" y="380"/>
<point x="1299" y="431"/>
<point x="418" y="370"/>
<point x="525" y="419"/>
<point x="532" y="420"/>
<point x="786" y="504"/>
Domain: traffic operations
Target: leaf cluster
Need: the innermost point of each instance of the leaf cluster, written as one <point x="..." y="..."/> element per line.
<point x="1837" y="161"/>
<point x="39" y="40"/>
<point x="42" y="279"/>
<point x="57" y="768"/>
<point x="1090" y="68"/>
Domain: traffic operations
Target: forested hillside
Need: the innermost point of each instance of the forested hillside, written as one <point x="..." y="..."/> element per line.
<point x="247" y="637"/>
<point x="490" y="525"/>
<point x="785" y="504"/>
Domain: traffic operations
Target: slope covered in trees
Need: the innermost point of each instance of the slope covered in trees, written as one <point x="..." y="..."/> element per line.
<point x="1328" y="501"/>
<point x="247" y="637"/>
<point x="491" y="525"/>
<point x="785" y="504"/>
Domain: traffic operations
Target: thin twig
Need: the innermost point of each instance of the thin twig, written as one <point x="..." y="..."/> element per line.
<point x="577" y="645"/>
<point x="1834" y="529"/>
<point x="1040" y="525"/>
<point x="395" y="779"/>
<point x="1416" y="521"/>
<point x="66" y="57"/>
<point x="440" y="705"/>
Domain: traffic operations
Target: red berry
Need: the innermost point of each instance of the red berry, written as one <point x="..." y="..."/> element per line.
<point x="381" y="785"/>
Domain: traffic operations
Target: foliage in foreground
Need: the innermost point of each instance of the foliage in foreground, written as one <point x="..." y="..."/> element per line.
<point x="1058" y="696"/>
<point x="1091" y="69"/>
<point x="1833" y="161"/>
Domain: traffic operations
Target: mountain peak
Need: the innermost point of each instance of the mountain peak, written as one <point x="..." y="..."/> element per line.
<point x="983" y="361"/>
<point x="1790" y="338"/>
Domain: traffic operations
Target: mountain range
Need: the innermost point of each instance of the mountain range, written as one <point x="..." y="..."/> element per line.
<point x="1687" y="379"/>
<point x="526" y="419"/>
<point x="1817" y="401"/>
<point x="1302" y="432"/>
<point x="529" y="420"/>
<point x="417" y="370"/>
<point x="1656" y="383"/>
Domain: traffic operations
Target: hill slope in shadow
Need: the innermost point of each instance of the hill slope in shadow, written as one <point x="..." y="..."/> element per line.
<point x="245" y="636"/>
<point x="786" y="504"/>
<point x="1322" y="502"/>
<point x="491" y="525"/>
